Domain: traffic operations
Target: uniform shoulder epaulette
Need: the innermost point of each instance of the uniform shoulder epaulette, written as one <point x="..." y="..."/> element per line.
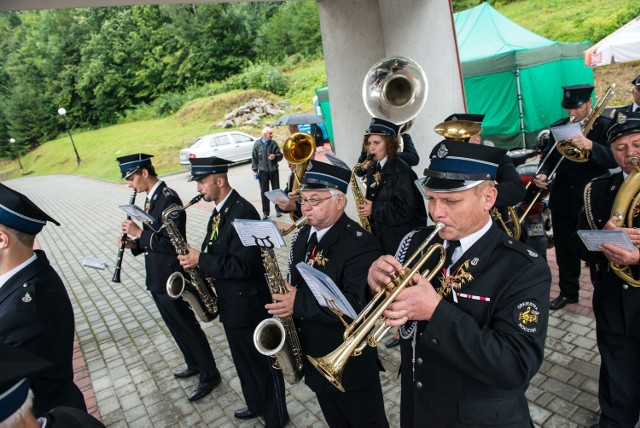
<point x="528" y="252"/>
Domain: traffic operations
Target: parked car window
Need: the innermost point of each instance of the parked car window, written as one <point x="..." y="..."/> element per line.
<point x="200" y="142"/>
<point x="221" y="141"/>
<point x="239" y="138"/>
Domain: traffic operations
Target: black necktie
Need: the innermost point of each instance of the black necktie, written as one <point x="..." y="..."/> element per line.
<point x="450" y="250"/>
<point x="311" y="246"/>
<point x="147" y="205"/>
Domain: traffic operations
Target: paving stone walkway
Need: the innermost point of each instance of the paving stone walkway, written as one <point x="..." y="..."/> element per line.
<point x="125" y="356"/>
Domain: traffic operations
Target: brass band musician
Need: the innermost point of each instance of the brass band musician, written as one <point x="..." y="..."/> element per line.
<point x="160" y="262"/>
<point x="339" y="247"/>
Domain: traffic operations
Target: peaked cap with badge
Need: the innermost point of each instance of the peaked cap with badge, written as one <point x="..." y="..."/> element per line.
<point x="130" y="164"/>
<point x="623" y="123"/>
<point x="322" y="175"/>
<point x="382" y="127"/>
<point x="19" y="213"/>
<point x="17" y="366"/>
<point x="457" y="166"/>
<point x="201" y="167"/>
<point x="576" y="95"/>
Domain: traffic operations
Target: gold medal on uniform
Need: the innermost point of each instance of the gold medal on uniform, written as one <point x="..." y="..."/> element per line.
<point x="455" y="281"/>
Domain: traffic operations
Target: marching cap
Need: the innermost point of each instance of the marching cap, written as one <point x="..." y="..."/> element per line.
<point x="321" y="175"/>
<point x="456" y="165"/>
<point x="636" y="81"/>
<point x="17" y="365"/>
<point x="576" y="95"/>
<point x="19" y="213"/>
<point x="130" y="164"/>
<point x="463" y="116"/>
<point x="623" y="123"/>
<point x="382" y="127"/>
<point x="201" y="167"/>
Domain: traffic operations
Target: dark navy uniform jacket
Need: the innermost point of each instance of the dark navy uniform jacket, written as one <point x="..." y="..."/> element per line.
<point x="616" y="305"/>
<point x="571" y="177"/>
<point x="348" y="251"/>
<point x="475" y="358"/>
<point x="398" y="207"/>
<point x="36" y="315"/>
<point x="160" y="255"/>
<point x="237" y="271"/>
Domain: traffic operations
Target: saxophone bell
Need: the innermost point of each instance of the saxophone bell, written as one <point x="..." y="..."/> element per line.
<point x="177" y="287"/>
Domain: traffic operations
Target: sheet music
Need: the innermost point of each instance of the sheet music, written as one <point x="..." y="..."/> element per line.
<point x="564" y="132"/>
<point x="325" y="290"/>
<point x="136" y="213"/>
<point x="593" y="238"/>
<point x="263" y="233"/>
<point x="275" y="194"/>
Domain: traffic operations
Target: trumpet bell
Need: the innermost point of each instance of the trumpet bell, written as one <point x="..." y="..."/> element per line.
<point x="395" y="89"/>
<point x="458" y="129"/>
<point x="298" y="148"/>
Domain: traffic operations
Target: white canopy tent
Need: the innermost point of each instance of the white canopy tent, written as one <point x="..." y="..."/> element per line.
<point x="623" y="45"/>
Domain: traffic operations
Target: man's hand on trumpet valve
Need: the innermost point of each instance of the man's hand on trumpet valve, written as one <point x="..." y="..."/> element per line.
<point x="380" y="273"/>
<point x="364" y="209"/>
<point x="417" y="302"/>
<point x="283" y="303"/>
<point x="541" y="181"/>
<point x="189" y="260"/>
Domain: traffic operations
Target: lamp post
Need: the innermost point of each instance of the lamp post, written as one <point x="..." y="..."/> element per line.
<point x="12" y="141"/>
<point x="62" y="112"/>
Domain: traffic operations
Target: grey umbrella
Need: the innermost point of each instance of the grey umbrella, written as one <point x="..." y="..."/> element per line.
<point x="298" y="119"/>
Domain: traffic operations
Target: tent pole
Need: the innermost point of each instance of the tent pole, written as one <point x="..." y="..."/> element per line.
<point x="524" y="140"/>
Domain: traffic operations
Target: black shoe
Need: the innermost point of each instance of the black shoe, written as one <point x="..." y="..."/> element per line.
<point x="392" y="343"/>
<point x="204" y="389"/>
<point x="560" y="302"/>
<point x="244" y="413"/>
<point x="186" y="373"/>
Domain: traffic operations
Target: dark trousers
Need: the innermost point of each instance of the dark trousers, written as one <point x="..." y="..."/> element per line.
<point x="361" y="408"/>
<point x="262" y="385"/>
<point x="264" y="178"/>
<point x="619" y="384"/>
<point x="568" y="263"/>
<point x="186" y="331"/>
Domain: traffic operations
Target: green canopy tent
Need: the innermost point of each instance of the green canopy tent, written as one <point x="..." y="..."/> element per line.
<point x="514" y="76"/>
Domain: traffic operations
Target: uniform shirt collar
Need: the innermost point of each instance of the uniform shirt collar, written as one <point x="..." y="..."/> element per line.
<point x="468" y="241"/>
<point x="7" y="276"/>
<point x="153" y="190"/>
<point x="383" y="162"/>
<point x="219" y="206"/>
<point x="319" y="233"/>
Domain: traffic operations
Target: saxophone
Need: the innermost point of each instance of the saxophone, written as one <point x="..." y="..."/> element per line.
<point x="277" y="337"/>
<point x="357" y="193"/>
<point x="200" y="297"/>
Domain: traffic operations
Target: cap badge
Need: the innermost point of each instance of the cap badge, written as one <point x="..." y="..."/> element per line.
<point x="567" y="94"/>
<point x="621" y="118"/>
<point x="442" y="151"/>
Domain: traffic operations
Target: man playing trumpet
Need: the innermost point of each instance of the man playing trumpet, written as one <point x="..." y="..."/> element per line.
<point x="474" y="336"/>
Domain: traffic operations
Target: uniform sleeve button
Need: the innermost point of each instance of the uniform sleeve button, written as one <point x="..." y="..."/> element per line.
<point x="434" y="341"/>
<point x="419" y="385"/>
<point x="625" y="286"/>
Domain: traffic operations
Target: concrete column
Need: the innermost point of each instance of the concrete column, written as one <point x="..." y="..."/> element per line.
<point x="358" y="33"/>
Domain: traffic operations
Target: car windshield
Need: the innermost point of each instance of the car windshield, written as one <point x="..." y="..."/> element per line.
<point x="200" y="142"/>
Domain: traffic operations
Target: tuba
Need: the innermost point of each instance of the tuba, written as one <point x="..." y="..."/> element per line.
<point x="624" y="203"/>
<point x="277" y="337"/>
<point x="568" y="150"/>
<point x="298" y="149"/>
<point x="370" y="327"/>
<point x="200" y="297"/>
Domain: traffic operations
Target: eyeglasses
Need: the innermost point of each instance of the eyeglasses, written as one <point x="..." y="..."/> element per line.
<point x="312" y="201"/>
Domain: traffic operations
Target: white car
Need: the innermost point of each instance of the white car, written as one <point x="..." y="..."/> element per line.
<point x="233" y="146"/>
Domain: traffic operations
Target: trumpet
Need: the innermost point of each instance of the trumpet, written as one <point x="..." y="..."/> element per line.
<point x="370" y="326"/>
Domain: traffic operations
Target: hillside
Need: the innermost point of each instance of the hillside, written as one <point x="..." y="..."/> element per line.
<point x="164" y="137"/>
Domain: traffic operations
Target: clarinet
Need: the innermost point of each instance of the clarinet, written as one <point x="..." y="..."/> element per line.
<point x="123" y="242"/>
